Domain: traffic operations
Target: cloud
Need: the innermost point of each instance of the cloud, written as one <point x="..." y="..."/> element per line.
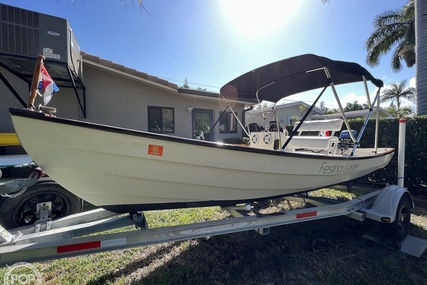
<point x="412" y="82"/>
<point x="348" y="98"/>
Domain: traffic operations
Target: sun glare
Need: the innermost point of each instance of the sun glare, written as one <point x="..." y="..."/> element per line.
<point x="256" y="18"/>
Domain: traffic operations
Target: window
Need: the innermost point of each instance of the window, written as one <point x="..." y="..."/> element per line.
<point x="161" y="120"/>
<point x="227" y="123"/>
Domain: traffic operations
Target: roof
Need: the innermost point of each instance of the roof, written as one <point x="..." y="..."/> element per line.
<point x="153" y="79"/>
<point x="294" y="75"/>
<point x="193" y="93"/>
<point x="352" y="114"/>
<point x="285" y="105"/>
<point x="127" y="70"/>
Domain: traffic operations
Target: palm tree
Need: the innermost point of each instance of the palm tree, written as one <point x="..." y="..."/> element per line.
<point x="399" y="113"/>
<point x="396" y="92"/>
<point x="393" y="28"/>
<point x="322" y="107"/>
<point x="420" y="24"/>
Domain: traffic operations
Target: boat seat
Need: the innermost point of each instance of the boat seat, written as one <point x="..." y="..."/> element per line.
<point x="321" y="127"/>
<point x="321" y="136"/>
<point x="313" y="143"/>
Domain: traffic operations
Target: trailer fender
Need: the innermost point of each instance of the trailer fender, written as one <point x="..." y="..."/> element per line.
<point x="385" y="205"/>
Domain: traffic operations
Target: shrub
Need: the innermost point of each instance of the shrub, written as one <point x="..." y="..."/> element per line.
<point x="415" y="150"/>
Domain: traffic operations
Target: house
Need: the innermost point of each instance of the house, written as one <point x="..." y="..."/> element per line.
<point x="359" y="114"/>
<point x="287" y="114"/>
<point x="113" y="94"/>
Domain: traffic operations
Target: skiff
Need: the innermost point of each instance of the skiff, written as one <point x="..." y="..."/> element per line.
<point x="128" y="170"/>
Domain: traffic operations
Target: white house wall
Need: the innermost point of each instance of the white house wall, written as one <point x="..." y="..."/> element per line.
<point x="112" y="98"/>
<point x="122" y="101"/>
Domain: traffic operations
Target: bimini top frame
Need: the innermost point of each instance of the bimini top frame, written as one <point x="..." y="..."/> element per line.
<point x="291" y="76"/>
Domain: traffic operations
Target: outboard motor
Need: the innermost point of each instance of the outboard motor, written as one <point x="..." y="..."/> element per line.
<point x="345" y="140"/>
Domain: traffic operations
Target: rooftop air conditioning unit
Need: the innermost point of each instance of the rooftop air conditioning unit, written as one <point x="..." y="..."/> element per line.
<point x="28" y="33"/>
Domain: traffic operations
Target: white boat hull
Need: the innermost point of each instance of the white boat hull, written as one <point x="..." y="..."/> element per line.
<point x="123" y="170"/>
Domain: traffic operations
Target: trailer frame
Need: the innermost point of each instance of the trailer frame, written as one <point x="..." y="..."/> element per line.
<point x="47" y="239"/>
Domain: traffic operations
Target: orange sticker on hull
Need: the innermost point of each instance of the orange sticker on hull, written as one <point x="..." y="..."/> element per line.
<point x="155" y="149"/>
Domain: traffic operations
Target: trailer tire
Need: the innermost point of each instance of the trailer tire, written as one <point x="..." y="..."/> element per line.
<point x="399" y="229"/>
<point x="21" y="210"/>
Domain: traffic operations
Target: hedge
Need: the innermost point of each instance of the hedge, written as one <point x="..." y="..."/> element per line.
<point x="415" y="151"/>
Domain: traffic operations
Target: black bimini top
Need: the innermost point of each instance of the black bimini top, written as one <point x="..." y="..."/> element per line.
<point x="291" y="76"/>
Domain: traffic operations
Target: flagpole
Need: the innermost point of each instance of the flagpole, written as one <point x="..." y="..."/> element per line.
<point x="35" y="82"/>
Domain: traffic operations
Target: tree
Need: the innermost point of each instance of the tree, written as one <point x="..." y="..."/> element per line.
<point x="355" y="106"/>
<point x="399" y="113"/>
<point x="302" y="109"/>
<point x="332" y="111"/>
<point x="322" y="107"/>
<point x="406" y="28"/>
<point x="393" y="29"/>
<point x="186" y="86"/>
<point x="398" y="91"/>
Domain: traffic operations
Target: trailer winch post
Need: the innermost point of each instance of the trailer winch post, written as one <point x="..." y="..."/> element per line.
<point x="401" y="153"/>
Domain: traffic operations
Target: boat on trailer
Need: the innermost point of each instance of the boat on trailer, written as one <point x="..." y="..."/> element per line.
<point x="124" y="170"/>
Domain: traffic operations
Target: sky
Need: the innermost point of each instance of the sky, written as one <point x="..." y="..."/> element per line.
<point x="210" y="42"/>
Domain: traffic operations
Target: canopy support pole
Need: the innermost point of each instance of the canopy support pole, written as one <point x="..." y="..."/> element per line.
<point x="222" y="114"/>
<point x="328" y="75"/>
<point x="257" y="97"/>
<point x="377" y="125"/>
<point x="304" y="117"/>
<point x="365" y="123"/>
<point x="235" y="116"/>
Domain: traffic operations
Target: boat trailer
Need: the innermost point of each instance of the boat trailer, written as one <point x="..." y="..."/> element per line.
<point x="66" y="237"/>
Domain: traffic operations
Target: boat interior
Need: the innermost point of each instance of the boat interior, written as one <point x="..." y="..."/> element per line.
<point x="318" y="137"/>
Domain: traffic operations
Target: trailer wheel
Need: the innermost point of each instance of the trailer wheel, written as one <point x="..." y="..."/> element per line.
<point x="21" y="210"/>
<point x="399" y="229"/>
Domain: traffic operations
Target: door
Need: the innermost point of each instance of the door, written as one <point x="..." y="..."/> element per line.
<point x="202" y="124"/>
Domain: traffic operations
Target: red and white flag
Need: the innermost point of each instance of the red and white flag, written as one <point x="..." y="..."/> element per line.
<point x="46" y="85"/>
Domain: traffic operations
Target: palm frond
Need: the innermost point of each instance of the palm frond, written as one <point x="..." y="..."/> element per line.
<point x="143" y="7"/>
<point x="393" y="29"/>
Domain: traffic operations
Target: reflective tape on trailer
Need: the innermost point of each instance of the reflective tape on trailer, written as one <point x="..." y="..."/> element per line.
<point x="90" y="245"/>
<point x="306" y="214"/>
